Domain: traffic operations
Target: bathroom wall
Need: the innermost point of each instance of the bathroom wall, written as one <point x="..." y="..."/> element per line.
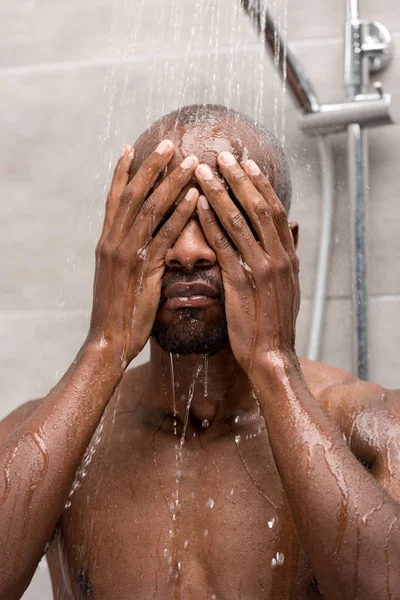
<point x="78" y="80"/>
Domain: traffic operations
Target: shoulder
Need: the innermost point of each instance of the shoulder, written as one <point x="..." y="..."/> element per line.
<point x="15" y="419"/>
<point x="339" y="390"/>
<point x="367" y="414"/>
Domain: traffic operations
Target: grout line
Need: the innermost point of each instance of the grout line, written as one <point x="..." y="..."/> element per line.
<point x="143" y="58"/>
<point x="114" y="61"/>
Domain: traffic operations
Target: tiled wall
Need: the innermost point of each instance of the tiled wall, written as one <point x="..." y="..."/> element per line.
<point x="78" y="80"/>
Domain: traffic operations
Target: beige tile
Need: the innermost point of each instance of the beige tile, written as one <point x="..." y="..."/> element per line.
<point x="36" y="348"/>
<point x="48" y="32"/>
<point x="40" y="586"/>
<point x="35" y="351"/>
<point x="385" y="341"/>
<point x="336" y="337"/>
<point x="384" y="337"/>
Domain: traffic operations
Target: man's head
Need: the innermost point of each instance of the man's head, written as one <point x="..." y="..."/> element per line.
<point x="205" y="131"/>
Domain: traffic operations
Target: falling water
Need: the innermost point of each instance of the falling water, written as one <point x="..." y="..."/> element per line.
<point x="86" y="460"/>
<point x="189" y="403"/>
<point x="205" y="375"/>
<point x="171" y="360"/>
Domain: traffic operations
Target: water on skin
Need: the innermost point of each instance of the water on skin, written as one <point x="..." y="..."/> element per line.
<point x="86" y="460"/>
<point x="173" y="557"/>
<point x="205" y="375"/>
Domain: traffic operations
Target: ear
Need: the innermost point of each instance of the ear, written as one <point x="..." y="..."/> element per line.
<point x="294" y="228"/>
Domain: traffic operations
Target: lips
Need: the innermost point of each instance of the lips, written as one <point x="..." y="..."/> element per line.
<point x="190" y="295"/>
<point x="187" y="290"/>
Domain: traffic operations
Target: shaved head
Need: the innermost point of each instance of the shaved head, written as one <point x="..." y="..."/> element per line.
<point x="206" y="130"/>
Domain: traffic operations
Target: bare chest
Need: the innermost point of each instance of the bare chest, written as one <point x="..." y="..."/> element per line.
<point x="153" y="520"/>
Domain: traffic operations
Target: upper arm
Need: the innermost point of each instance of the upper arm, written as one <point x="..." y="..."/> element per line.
<point x="369" y="417"/>
<point x="386" y="467"/>
<point x="15" y="419"/>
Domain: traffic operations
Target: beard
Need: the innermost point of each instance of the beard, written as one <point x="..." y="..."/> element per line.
<point x="191" y="330"/>
<point x="190" y="333"/>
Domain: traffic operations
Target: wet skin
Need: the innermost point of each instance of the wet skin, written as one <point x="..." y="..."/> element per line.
<point x="267" y="503"/>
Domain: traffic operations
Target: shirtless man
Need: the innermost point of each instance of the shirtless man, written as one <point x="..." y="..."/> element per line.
<point x="249" y="475"/>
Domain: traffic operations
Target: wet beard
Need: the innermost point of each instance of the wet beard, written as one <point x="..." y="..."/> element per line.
<point x="190" y="335"/>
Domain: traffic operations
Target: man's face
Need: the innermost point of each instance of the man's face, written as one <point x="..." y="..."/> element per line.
<point x="191" y="315"/>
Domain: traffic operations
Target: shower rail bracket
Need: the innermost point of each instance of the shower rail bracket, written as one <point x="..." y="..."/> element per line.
<point x="377" y="43"/>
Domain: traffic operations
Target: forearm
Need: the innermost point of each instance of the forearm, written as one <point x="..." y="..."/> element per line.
<point x="39" y="462"/>
<point x="348" y="523"/>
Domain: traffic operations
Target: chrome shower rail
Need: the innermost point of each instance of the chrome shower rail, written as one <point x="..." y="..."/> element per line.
<point x="368" y="48"/>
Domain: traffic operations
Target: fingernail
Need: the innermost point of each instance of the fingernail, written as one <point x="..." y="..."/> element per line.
<point x="205" y="172"/>
<point x="132" y="153"/>
<point x="188" y="162"/>
<point x="190" y="194"/>
<point x="227" y="159"/>
<point x="253" y="168"/>
<point x="163" y="147"/>
<point x="204" y="202"/>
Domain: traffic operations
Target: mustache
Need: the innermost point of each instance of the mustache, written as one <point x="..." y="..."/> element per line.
<point x="201" y="276"/>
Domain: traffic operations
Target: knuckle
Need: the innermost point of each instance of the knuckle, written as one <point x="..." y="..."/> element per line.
<point x="240" y="176"/>
<point x="221" y="241"/>
<point x="208" y="219"/>
<point x="280" y="216"/>
<point x="149" y="207"/>
<point x="166" y="231"/>
<point x="216" y="189"/>
<point x="236" y="221"/>
<point x="261" y="209"/>
<point x="104" y="249"/>
<point x="126" y="196"/>
<point x="283" y="266"/>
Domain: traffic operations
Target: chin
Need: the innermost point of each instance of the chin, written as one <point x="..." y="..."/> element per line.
<point x="188" y="331"/>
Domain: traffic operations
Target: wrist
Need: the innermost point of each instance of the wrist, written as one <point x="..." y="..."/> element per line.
<point x="273" y="367"/>
<point x="102" y="360"/>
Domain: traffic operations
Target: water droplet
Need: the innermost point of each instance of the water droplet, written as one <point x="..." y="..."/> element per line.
<point x="205" y="532"/>
<point x="205" y="423"/>
<point x="232" y="491"/>
<point x="280" y="558"/>
<point x="186" y="544"/>
<point x="236" y="419"/>
<point x="210" y="503"/>
<point x="271" y="523"/>
<point x="237" y="438"/>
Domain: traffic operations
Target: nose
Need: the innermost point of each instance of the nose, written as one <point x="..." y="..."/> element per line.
<point x="191" y="249"/>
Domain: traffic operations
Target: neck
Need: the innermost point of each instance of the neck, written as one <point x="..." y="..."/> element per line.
<point x="212" y="389"/>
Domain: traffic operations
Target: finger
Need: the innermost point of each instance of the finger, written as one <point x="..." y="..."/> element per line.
<point x="153" y="210"/>
<point x="138" y="188"/>
<point x="252" y="202"/>
<point x="230" y="216"/>
<point x="215" y="235"/>
<point x="278" y="212"/>
<point x="170" y="231"/>
<point x="119" y="183"/>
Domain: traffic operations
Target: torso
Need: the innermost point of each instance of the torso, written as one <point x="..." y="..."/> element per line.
<point x="149" y="524"/>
